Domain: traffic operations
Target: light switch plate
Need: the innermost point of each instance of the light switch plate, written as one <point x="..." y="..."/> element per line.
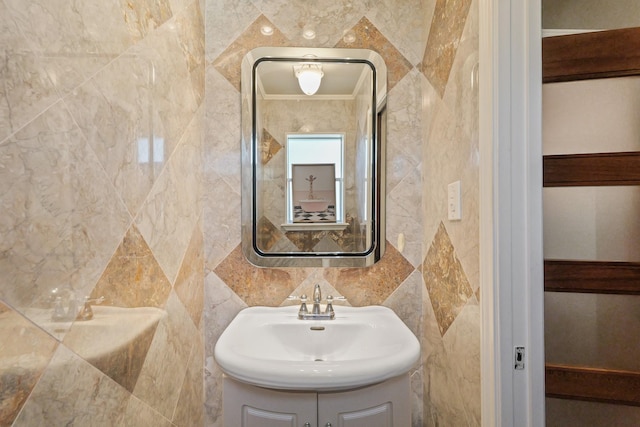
<point x="454" y="204"/>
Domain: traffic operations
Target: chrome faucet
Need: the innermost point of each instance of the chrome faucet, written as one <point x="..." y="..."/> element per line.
<point x="317" y="298"/>
<point x="86" y="313"/>
<point x="67" y="309"/>
<point x="316" y="312"/>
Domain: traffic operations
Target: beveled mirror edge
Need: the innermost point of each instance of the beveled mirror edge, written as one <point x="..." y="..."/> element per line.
<point x="249" y="158"/>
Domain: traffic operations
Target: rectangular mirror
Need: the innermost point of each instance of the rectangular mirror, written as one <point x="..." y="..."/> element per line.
<point x="313" y="157"/>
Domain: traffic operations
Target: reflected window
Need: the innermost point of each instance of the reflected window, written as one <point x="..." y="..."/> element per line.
<point x="315" y="178"/>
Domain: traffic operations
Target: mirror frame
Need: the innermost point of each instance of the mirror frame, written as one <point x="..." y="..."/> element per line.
<point x="251" y="157"/>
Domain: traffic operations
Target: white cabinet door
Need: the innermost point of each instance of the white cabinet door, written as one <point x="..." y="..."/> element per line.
<point x="249" y="406"/>
<point x="382" y="405"/>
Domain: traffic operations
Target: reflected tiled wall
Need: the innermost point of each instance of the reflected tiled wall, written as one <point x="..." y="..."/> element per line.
<point x="431" y="50"/>
<point x="101" y="126"/>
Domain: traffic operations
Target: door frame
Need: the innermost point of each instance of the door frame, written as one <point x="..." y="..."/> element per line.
<point x="511" y="256"/>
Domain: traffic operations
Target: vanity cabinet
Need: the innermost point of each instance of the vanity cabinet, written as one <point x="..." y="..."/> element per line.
<point x="386" y="404"/>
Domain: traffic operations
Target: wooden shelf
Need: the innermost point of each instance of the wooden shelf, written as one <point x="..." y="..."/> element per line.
<point x="599" y="169"/>
<point x="601" y="54"/>
<point x="591" y="384"/>
<point x="592" y="277"/>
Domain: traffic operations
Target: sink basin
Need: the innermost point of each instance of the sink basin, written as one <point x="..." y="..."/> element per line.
<point x="270" y="347"/>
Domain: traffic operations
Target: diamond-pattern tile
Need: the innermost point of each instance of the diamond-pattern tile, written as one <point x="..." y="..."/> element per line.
<point x="444" y="38"/>
<point x="228" y="63"/>
<point x="269" y="146"/>
<point x="445" y="280"/>
<point x="372" y="285"/>
<point x="268" y="234"/>
<point x="133" y="277"/>
<point x="367" y="36"/>
<point x="258" y="286"/>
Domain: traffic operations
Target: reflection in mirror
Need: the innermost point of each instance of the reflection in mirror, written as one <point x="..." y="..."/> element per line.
<point x="313" y="157"/>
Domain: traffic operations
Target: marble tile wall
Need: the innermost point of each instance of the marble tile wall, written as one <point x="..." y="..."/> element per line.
<point x="431" y="281"/>
<point x="101" y="173"/>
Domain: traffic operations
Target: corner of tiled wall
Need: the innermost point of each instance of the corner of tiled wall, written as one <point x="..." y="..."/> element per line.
<point x="451" y="340"/>
<point x="101" y="132"/>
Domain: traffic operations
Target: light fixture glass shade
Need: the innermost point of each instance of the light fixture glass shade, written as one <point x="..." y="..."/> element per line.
<point x="309" y="77"/>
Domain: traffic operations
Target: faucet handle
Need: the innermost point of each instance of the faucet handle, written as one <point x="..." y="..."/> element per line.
<point x="86" y="313"/>
<point x="329" y="309"/>
<point x="303" y="302"/>
<point x="303" y="305"/>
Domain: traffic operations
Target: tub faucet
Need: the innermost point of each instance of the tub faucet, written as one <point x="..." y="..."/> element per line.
<point x="86" y="313"/>
<point x="60" y="312"/>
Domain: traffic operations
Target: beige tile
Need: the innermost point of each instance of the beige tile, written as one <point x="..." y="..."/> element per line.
<point x="443" y="405"/>
<point x="404" y="206"/>
<point x="143" y="16"/>
<point x="367" y="36"/>
<point x="222" y="130"/>
<point x="443" y="42"/>
<point x="191" y="35"/>
<point x="404" y="133"/>
<point x="119" y="353"/>
<point x="73" y="42"/>
<point x="225" y="21"/>
<point x="448" y="287"/>
<point x="221" y="306"/>
<point x="406" y="302"/>
<point x="133" y="277"/>
<point x="258" y="286"/>
<point x="405" y="23"/>
<point x="430" y="338"/>
<point x="190" y="281"/>
<point x="25" y="90"/>
<point x="22" y="362"/>
<point x="222" y="235"/>
<point x="115" y="112"/>
<point x="168" y="216"/>
<point x="51" y="27"/>
<point x="371" y="285"/>
<point x="158" y="386"/>
<point x="139" y="413"/>
<point x="190" y="409"/>
<point x="175" y="97"/>
<point x="73" y="392"/>
<point x="62" y="219"/>
<point x="25" y="87"/>
<point x="228" y="63"/>
<point x="462" y="344"/>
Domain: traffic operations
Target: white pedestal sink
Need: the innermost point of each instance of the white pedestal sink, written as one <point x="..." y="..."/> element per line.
<point x="270" y="347"/>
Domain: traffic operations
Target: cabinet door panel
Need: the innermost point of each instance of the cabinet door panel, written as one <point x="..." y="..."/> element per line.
<point x="383" y="405"/>
<point x="257" y="417"/>
<point x="249" y="406"/>
<point x="378" y="416"/>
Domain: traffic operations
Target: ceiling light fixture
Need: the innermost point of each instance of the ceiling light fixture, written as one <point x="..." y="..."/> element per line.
<point x="309" y="77"/>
